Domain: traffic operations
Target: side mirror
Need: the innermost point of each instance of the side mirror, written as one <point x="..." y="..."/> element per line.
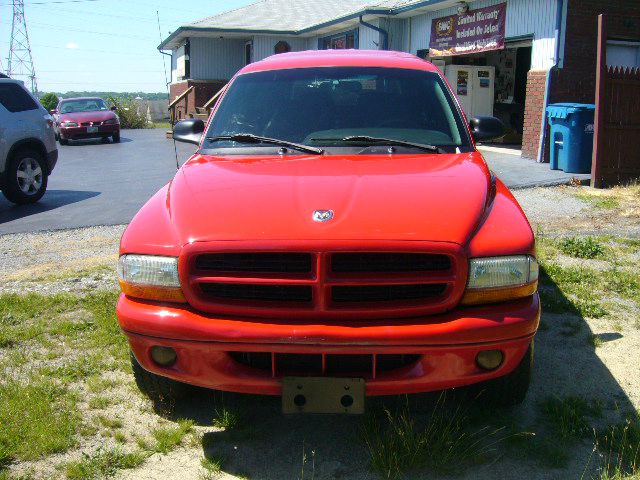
<point x="113" y="108"/>
<point x="189" y="131"/>
<point x="486" y="128"/>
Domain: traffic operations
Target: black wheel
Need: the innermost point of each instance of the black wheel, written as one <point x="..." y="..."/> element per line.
<point x="26" y="177"/>
<point x="159" y="389"/>
<point x="509" y="390"/>
<point x="116" y="137"/>
<point x="63" y="141"/>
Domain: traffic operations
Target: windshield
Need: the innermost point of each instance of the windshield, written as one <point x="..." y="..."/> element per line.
<point x="91" y="105"/>
<point x="324" y="106"/>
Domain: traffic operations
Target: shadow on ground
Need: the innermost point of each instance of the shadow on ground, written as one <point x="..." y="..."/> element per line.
<point x="264" y="444"/>
<point x="52" y="199"/>
<point x="95" y="141"/>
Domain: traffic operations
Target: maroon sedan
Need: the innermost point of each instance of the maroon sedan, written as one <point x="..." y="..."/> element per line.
<point x="77" y="118"/>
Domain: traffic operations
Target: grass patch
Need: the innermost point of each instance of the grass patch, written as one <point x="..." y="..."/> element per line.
<point x="605" y="202"/>
<point x="111" y="423"/>
<point x="570" y="415"/>
<point x="570" y="290"/>
<point x="100" y="403"/>
<point x="396" y="443"/>
<point x="582" y="247"/>
<point x="104" y="463"/>
<point x="544" y="450"/>
<point x="168" y="438"/>
<point x="36" y="419"/>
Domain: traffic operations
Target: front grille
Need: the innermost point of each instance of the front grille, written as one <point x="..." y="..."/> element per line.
<point x="318" y="364"/>
<point x="262" y="293"/>
<point x="386" y="293"/>
<point x="320" y="285"/>
<point x="89" y="124"/>
<point x="388" y="262"/>
<point x="255" y="262"/>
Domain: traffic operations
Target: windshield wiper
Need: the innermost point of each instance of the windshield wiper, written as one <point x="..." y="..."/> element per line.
<point x="388" y="141"/>
<point x="250" y="138"/>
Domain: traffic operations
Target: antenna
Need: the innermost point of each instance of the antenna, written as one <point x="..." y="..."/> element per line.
<point x="20" y="62"/>
<point x="166" y="82"/>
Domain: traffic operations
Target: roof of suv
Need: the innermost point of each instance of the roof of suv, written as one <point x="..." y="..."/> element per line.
<point x="340" y="58"/>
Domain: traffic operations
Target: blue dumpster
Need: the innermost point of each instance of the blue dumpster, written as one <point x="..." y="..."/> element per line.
<point x="571" y="136"/>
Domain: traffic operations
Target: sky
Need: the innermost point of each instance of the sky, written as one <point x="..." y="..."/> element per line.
<point x="102" y="45"/>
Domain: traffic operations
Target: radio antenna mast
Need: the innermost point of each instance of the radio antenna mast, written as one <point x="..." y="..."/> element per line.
<point x="20" y="62"/>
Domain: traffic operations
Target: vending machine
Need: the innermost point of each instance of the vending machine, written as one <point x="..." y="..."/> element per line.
<point x="474" y="87"/>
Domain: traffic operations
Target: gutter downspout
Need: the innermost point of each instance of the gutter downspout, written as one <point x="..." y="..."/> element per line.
<point x="556" y="61"/>
<point x="382" y="31"/>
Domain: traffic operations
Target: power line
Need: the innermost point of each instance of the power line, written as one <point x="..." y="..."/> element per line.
<point x="49" y="26"/>
<point x="117" y="52"/>
<point x="52" y="2"/>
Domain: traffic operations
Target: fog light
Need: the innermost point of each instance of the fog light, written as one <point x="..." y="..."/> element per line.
<point x="489" y="359"/>
<point x="164" y="356"/>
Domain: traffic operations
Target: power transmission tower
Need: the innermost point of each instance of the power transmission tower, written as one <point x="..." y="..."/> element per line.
<point x="20" y="62"/>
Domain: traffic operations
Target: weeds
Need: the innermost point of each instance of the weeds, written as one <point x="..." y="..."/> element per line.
<point x="212" y="467"/>
<point x="397" y="444"/>
<point x="581" y="247"/>
<point x="618" y="448"/>
<point x="227" y="419"/>
<point x="570" y="415"/>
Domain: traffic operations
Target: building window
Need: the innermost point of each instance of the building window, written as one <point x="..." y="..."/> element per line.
<point x="623" y="54"/>
<point x="339" y="41"/>
<point x="282" y="47"/>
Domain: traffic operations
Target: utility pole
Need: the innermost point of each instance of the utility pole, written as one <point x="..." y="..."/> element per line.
<point x="20" y="62"/>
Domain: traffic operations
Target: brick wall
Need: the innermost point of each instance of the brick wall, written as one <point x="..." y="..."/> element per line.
<point x="533" y="111"/>
<point x="576" y="82"/>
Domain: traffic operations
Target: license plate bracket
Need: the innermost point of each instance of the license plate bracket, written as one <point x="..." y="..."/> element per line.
<point x="323" y="395"/>
<point x="92" y="129"/>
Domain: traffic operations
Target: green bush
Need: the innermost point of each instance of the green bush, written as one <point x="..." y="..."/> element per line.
<point x="127" y="111"/>
<point x="49" y="101"/>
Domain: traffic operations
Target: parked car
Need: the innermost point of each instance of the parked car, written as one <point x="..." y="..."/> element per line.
<point x="28" y="150"/>
<point x="85" y="117"/>
<point x="336" y="235"/>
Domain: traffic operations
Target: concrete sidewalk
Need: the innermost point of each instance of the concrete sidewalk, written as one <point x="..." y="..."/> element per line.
<point x="517" y="172"/>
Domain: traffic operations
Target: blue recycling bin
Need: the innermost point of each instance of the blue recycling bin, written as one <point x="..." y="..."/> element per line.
<point x="571" y="136"/>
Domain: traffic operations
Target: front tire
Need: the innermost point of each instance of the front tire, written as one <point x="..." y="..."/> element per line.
<point x="116" y="137"/>
<point x="26" y="177"/>
<point x="63" y="141"/>
<point x="159" y="389"/>
<point x="511" y="389"/>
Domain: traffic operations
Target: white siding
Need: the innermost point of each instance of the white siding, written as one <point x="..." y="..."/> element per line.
<point x="524" y="17"/>
<point x="368" y="38"/>
<point x="395" y="27"/>
<point x="174" y="66"/>
<point x="263" y="45"/>
<point x="216" y="58"/>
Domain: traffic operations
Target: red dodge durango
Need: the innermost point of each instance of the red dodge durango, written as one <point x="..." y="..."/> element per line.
<point x="336" y="235"/>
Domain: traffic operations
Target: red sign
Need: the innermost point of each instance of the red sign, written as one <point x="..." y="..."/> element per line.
<point x="472" y="32"/>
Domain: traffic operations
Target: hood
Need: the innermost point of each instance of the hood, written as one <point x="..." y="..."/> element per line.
<point x="399" y="197"/>
<point x="79" y="117"/>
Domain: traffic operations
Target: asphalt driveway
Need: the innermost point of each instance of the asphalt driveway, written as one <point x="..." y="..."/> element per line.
<point x="99" y="183"/>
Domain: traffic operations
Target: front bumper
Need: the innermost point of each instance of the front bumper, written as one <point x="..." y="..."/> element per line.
<point x="73" y="133"/>
<point x="52" y="159"/>
<point x="446" y="344"/>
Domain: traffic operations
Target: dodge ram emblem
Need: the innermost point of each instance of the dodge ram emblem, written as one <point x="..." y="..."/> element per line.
<point x="322" y="215"/>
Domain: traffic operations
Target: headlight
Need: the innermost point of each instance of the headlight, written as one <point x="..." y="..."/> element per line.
<point x="111" y="121"/>
<point x="497" y="279"/>
<point x="69" y="124"/>
<point x="150" y="277"/>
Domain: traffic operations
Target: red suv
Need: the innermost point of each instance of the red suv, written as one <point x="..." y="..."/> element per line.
<point x="79" y="118"/>
<point x="336" y="235"/>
